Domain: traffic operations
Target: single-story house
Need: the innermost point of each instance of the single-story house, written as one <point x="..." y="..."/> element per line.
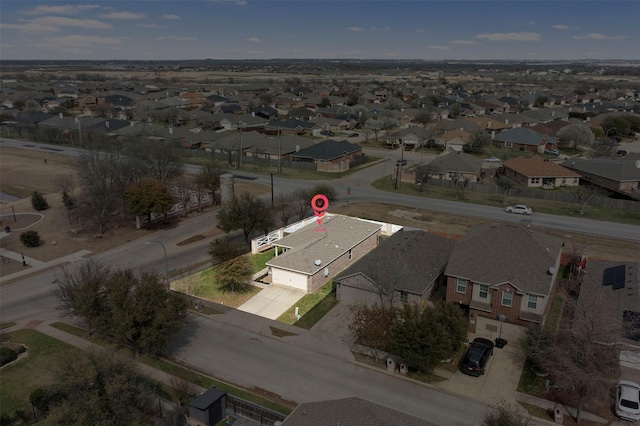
<point x="614" y="174"/>
<point x="330" y="155"/>
<point x="292" y="126"/>
<point x="538" y="172"/>
<point x="410" y="138"/>
<point x="451" y="164"/>
<point x="504" y="271"/>
<point x="313" y="255"/>
<point x="404" y="268"/>
<point x="524" y="139"/>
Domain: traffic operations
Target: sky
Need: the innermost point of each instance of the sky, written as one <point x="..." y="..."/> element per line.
<point x="320" y="29"/>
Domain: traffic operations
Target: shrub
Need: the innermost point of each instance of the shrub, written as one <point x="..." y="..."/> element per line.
<point x="30" y="238"/>
<point x="38" y="201"/>
<point x="7" y="355"/>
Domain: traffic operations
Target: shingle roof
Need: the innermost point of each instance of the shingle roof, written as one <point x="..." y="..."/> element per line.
<point x="351" y="411"/>
<point x="327" y="150"/>
<point x="307" y="245"/>
<point x="408" y="260"/>
<point x="523" y="136"/>
<point x="495" y="254"/>
<point x="538" y="167"/>
<point x="451" y="160"/>
<point x="619" y="170"/>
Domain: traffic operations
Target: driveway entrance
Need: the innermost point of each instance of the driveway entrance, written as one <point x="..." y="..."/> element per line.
<point x="272" y="301"/>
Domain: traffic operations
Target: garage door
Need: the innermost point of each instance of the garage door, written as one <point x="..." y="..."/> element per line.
<point x="289" y="278"/>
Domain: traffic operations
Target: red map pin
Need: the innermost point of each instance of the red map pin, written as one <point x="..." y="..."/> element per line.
<point x="320" y="204"/>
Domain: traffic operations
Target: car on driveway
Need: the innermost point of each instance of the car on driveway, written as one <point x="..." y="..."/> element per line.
<point x="327" y="133"/>
<point x="476" y="357"/>
<point x="552" y="152"/>
<point x="519" y="209"/>
<point x="354" y="135"/>
<point x="628" y="400"/>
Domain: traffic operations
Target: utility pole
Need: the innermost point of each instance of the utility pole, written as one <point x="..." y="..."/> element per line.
<point x="240" y="152"/>
<point x="272" y="203"/>
<point x="279" y="151"/>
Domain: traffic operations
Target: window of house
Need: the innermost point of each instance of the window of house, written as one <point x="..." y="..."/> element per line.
<point x="564" y="181"/>
<point x="350" y="254"/>
<point x="461" y="286"/>
<point x="507" y="298"/>
<point x="484" y="291"/>
<point x="508" y="144"/>
<point x="403" y="296"/>
<point x="575" y="180"/>
<point x="535" y="180"/>
<point x="532" y="302"/>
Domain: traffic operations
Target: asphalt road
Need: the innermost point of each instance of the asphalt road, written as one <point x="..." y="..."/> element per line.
<point x="250" y="359"/>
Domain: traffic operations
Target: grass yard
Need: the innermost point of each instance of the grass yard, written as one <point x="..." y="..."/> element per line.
<point x="205" y="285"/>
<point x="312" y="307"/>
<point x="7" y="325"/>
<point x="531" y="383"/>
<point x="538" y="205"/>
<point x="32" y="372"/>
<point x="207" y="382"/>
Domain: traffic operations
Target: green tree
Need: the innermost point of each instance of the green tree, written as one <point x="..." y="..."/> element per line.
<point x="234" y="275"/>
<point x="224" y="249"/>
<point x="99" y="387"/>
<point x="30" y="238"/>
<point x="150" y="196"/>
<point x="128" y="310"/>
<point x="540" y="101"/>
<point x="246" y="212"/>
<point x="325" y="102"/>
<point x="38" y="201"/>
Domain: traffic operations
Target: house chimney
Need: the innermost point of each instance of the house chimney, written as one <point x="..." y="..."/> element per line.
<point x="170" y="130"/>
<point x="106" y="124"/>
<point x="132" y="123"/>
<point x="506" y="121"/>
<point x="553" y="113"/>
<point x="489" y="124"/>
<point x="297" y="148"/>
<point x="61" y="116"/>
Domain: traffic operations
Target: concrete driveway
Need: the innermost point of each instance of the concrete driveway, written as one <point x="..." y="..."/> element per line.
<point x="500" y="382"/>
<point x="272" y="301"/>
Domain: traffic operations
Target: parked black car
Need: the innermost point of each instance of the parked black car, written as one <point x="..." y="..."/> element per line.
<point x="476" y="357"/>
<point x="327" y="133"/>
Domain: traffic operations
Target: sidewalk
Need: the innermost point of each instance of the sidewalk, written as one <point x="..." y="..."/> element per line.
<point x="45" y="328"/>
<point x="38" y="266"/>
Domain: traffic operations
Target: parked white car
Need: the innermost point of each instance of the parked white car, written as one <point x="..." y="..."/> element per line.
<point x="519" y="209"/>
<point x="628" y="400"/>
<point x="494" y="160"/>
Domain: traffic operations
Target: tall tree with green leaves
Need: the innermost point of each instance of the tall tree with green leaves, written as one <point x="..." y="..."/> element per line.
<point x="234" y="275"/>
<point x="148" y="197"/>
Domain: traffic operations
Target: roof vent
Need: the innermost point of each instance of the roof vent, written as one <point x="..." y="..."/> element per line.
<point x="318" y="262"/>
<point x="552" y="270"/>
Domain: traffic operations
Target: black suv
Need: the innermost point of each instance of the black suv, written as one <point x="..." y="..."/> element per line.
<point x="476" y="358"/>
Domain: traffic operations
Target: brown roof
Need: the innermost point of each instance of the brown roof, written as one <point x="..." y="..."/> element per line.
<point x="496" y="254"/>
<point x="538" y="167"/>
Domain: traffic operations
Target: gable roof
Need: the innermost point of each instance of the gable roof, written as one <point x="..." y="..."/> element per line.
<point x="352" y="411"/>
<point x="619" y="170"/>
<point x="537" y="167"/>
<point x="523" y="136"/>
<point x="307" y="245"/>
<point x="327" y="150"/>
<point x="408" y="261"/>
<point x="451" y="160"/>
<point x="496" y="254"/>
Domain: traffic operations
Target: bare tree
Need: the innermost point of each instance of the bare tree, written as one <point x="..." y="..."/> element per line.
<point x="505" y="414"/>
<point x="66" y="185"/>
<point x="505" y="185"/>
<point x="575" y="134"/>
<point x="285" y="208"/>
<point x="301" y="203"/>
<point x="584" y="194"/>
<point x="460" y="183"/>
<point x="209" y="177"/>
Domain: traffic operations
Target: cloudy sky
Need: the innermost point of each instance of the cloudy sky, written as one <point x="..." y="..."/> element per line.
<point x="361" y="29"/>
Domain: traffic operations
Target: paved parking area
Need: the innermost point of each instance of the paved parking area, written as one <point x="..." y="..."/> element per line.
<point x="503" y="370"/>
<point x="272" y="301"/>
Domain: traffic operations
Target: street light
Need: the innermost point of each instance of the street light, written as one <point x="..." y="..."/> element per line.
<point x="166" y="265"/>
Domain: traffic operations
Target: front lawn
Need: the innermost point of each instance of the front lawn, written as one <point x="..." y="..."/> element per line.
<point x="312" y="307"/>
<point x="204" y="284"/>
<point x="33" y="371"/>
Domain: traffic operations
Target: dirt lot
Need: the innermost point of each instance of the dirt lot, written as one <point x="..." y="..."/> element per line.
<point x="24" y="171"/>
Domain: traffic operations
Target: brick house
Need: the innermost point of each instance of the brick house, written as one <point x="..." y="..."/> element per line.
<point x="404" y="268"/>
<point x="523" y="139"/>
<point x="313" y="255"/>
<point x="538" y="172"/>
<point x="504" y="269"/>
<point x="330" y="156"/>
<point x="614" y="174"/>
